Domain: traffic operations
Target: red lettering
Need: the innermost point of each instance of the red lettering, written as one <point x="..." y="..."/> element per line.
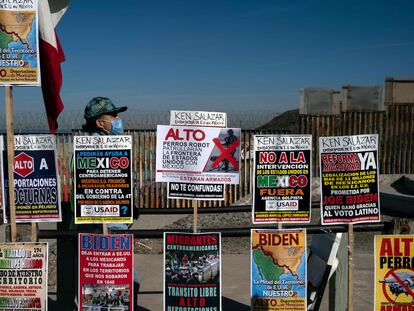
<point x="386" y="247"/>
<point x="118" y="163"/>
<point x="283" y="158"/>
<point x="300" y="181"/>
<point x="262" y="239"/>
<point x="267" y="157"/>
<point x="299" y="159"/>
<point x="174" y="134"/>
<point x="332" y="199"/>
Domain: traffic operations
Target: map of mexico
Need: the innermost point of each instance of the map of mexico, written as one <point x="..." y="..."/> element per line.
<point x="278" y="269"/>
<point x="19" y="42"/>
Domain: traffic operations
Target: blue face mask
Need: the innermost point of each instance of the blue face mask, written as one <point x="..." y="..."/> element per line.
<point x="117" y="127"/>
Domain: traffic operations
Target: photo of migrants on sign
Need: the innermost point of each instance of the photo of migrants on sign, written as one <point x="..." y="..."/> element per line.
<point x="19" y="63"/>
<point x="24" y="276"/>
<point x="104" y="297"/>
<point x="103" y="179"/>
<point x="36" y="182"/>
<point x="106" y="271"/>
<point x="198" y="154"/>
<point x="192" y="271"/>
<point x="278" y="267"/>
<point x="349" y="179"/>
<point x="282" y="178"/>
<point x="394" y="272"/>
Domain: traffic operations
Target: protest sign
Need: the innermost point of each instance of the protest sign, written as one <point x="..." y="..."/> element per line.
<point x="278" y="267"/>
<point x="394" y="272"/>
<point x="106" y="272"/>
<point x="192" y="271"/>
<point x="197" y="191"/>
<point x="36" y="182"/>
<point x="198" y="118"/>
<point x="197" y="154"/>
<point x="23" y="276"/>
<point x="103" y="179"/>
<point x="19" y="62"/>
<point x="349" y="179"/>
<point x="281" y="178"/>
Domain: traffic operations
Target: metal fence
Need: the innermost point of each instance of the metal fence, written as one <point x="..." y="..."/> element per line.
<point x="148" y="193"/>
<point x="395" y="127"/>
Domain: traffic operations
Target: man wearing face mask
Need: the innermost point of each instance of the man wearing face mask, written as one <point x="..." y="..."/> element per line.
<point x="102" y="118"/>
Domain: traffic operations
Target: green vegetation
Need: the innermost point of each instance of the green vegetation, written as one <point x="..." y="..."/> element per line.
<point x="266" y="266"/>
<point x="5" y="39"/>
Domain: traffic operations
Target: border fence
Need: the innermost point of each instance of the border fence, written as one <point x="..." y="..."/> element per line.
<point x="148" y="193"/>
<point x="395" y="127"/>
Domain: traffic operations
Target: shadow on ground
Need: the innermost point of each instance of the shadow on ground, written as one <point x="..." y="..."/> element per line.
<point x="230" y="304"/>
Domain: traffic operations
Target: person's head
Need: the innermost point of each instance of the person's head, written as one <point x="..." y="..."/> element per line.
<point x="230" y="132"/>
<point x="101" y="115"/>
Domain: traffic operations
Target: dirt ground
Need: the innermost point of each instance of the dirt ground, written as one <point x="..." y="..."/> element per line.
<point x="236" y="263"/>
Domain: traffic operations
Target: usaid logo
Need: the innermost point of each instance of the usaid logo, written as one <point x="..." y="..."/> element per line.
<point x="282" y="205"/>
<point x="100" y="210"/>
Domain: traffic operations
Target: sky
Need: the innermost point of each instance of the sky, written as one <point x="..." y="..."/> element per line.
<point x="225" y="55"/>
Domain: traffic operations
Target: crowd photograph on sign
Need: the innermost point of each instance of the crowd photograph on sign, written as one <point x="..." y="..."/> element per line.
<point x="184" y="156"/>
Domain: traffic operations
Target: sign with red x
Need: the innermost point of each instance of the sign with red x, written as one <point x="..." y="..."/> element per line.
<point x="198" y="155"/>
<point x="226" y="153"/>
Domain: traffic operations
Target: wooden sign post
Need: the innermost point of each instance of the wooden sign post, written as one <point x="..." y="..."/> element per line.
<point x="350" y="267"/>
<point x="195" y="216"/>
<point x="10" y="158"/>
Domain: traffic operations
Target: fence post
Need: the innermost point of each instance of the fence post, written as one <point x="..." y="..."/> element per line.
<point x="338" y="285"/>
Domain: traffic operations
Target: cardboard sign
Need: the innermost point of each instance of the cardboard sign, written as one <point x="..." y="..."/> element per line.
<point x="282" y="178"/>
<point x="195" y="191"/>
<point x="106" y="272"/>
<point x="192" y="271"/>
<point x="103" y="179"/>
<point x="19" y="63"/>
<point x="23" y="276"/>
<point x="197" y="154"/>
<point x="349" y="179"/>
<point x="198" y="118"/>
<point x="278" y="266"/>
<point x="36" y="182"/>
<point x="394" y="272"/>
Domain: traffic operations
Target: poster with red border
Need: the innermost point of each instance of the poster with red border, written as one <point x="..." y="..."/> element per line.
<point x="349" y="175"/>
<point x="198" y="154"/>
<point x="23" y="276"/>
<point x="394" y="272"/>
<point x="195" y="191"/>
<point x="282" y="184"/>
<point x="106" y="271"/>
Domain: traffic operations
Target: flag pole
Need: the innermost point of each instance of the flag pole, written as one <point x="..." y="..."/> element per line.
<point x="10" y="158"/>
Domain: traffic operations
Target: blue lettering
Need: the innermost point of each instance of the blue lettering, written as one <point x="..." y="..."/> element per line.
<point x="86" y="242"/>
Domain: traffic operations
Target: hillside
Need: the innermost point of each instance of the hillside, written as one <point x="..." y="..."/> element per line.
<point x="287" y="121"/>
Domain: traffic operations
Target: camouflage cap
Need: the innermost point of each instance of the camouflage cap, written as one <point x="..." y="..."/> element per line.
<point x="99" y="106"/>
